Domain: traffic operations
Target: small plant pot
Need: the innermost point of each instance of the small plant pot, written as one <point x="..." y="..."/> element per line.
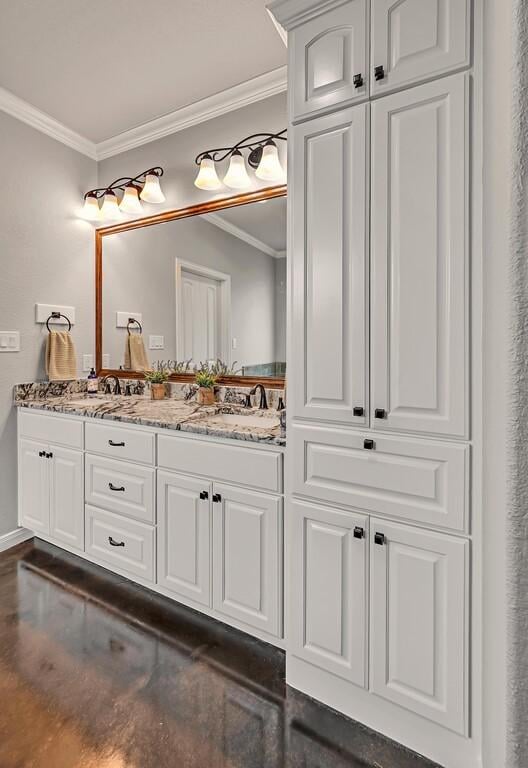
<point x="158" y="391"/>
<point x="205" y="396"/>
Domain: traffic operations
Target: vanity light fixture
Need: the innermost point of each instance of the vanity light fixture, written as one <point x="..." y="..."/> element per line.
<point x="145" y="186"/>
<point x="263" y="157"/>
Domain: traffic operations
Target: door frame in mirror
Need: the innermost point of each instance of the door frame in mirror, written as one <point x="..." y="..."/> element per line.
<point x="162" y="218"/>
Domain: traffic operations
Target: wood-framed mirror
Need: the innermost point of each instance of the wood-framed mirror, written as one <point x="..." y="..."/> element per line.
<point x="206" y="283"/>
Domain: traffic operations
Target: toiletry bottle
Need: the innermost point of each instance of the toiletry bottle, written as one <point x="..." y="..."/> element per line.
<point x="92" y="383"/>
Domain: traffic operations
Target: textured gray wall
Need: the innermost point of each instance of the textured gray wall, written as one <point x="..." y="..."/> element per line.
<point x="139" y="276"/>
<point x="46" y="256"/>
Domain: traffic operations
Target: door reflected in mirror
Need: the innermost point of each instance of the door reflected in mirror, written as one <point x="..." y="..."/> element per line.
<point x="207" y="288"/>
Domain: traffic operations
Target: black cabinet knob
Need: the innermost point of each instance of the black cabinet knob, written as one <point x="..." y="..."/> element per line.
<point x="217" y="498"/>
<point x="204" y="495"/>
<point x="49" y="455"/>
<point x="368" y="444"/>
<point x="358" y="411"/>
<point x="379" y="73"/>
<point x="358" y="532"/>
<point x="358" y="81"/>
<point x="380" y="413"/>
<point x="42" y="454"/>
<point x="379" y="538"/>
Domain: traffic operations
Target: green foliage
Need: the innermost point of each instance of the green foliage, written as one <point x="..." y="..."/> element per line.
<point x="160" y="373"/>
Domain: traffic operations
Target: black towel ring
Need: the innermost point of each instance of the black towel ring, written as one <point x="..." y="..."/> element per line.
<point x="56" y="316"/>
<point x="132" y="320"/>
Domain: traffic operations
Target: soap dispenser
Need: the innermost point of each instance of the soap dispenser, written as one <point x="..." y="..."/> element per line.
<point x="92" y="383"/>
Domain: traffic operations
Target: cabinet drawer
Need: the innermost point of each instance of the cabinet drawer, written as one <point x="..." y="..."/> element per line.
<point x="51" y="429"/>
<point x="128" y="489"/>
<point x="121" y="443"/>
<point x="421" y="480"/>
<point x="120" y="543"/>
<point x="235" y="464"/>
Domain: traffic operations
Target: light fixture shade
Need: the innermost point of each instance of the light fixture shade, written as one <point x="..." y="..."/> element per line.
<point x="110" y="209"/>
<point x="130" y="201"/>
<point x="151" y="192"/>
<point x="269" y="168"/>
<point x="91" y="210"/>
<point x="207" y="177"/>
<point x="237" y="175"/>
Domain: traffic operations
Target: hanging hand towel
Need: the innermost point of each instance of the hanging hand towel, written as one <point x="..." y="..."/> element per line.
<point x="61" y="362"/>
<point x="135" y="353"/>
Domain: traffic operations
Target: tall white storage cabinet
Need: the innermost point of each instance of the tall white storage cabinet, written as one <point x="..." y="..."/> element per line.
<point x="377" y="517"/>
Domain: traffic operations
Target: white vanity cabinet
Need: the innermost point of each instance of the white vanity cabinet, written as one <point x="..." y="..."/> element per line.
<point x="50" y="479"/>
<point x="337" y="57"/>
<point x="197" y="519"/>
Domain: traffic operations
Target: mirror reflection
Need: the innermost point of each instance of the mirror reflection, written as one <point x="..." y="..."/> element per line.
<point x="201" y="289"/>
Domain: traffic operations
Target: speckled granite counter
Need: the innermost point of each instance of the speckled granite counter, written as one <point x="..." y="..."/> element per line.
<point x="181" y="415"/>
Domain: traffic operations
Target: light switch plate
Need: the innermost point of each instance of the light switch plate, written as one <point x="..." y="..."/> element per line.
<point x="43" y="311"/>
<point x="156" y="342"/>
<point x="88" y="362"/>
<point x="106" y="361"/>
<point x="122" y="318"/>
<point x="9" y="341"/>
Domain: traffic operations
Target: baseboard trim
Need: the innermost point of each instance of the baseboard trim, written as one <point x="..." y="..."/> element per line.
<point x="11" y="539"/>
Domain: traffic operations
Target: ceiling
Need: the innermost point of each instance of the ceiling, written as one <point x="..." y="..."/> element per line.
<point x="106" y="66"/>
<point x="264" y="222"/>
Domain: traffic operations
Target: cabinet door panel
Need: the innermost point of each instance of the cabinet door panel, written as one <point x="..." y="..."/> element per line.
<point x="184" y="536"/>
<point x="328" y="583"/>
<point x="67" y="497"/>
<point x="419" y="320"/>
<point x="418" y="622"/>
<point x="33" y="485"/>
<point x="326" y="54"/>
<point x="329" y="276"/>
<point x="415" y="40"/>
<point x="247" y="557"/>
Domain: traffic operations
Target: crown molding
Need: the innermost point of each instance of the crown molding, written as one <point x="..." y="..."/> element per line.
<point x="44" y="123"/>
<point x="291" y="13"/>
<point x="218" y="221"/>
<point x="256" y="89"/>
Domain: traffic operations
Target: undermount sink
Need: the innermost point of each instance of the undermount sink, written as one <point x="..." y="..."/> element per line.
<point x="245" y="420"/>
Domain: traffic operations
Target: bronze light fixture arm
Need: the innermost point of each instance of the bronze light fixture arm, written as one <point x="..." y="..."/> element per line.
<point x="123" y="182"/>
<point x="255" y="143"/>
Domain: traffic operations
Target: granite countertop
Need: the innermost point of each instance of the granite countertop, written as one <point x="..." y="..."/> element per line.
<point x="180" y="415"/>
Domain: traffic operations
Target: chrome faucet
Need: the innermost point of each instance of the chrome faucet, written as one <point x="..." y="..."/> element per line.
<point x="108" y="388"/>
<point x="263" y="400"/>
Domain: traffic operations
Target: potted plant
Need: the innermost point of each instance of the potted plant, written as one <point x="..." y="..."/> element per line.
<point x="206" y="380"/>
<point x="157" y="378"/>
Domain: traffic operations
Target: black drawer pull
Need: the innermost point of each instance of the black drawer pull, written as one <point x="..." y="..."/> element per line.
<point x="379" y="73"/>
<point x="368" y="444"/>
<point x="115" y="488"/>
<point x="358" y="411"/>
<point x="217" y="498"/>
<point x="358" y="81"/>
<point x="116" y="445"/>
<point x="116" y="543"/>
<point x="358" y="532"/>
<point x="379" y="538"/>
<point x="204" y="495"/>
